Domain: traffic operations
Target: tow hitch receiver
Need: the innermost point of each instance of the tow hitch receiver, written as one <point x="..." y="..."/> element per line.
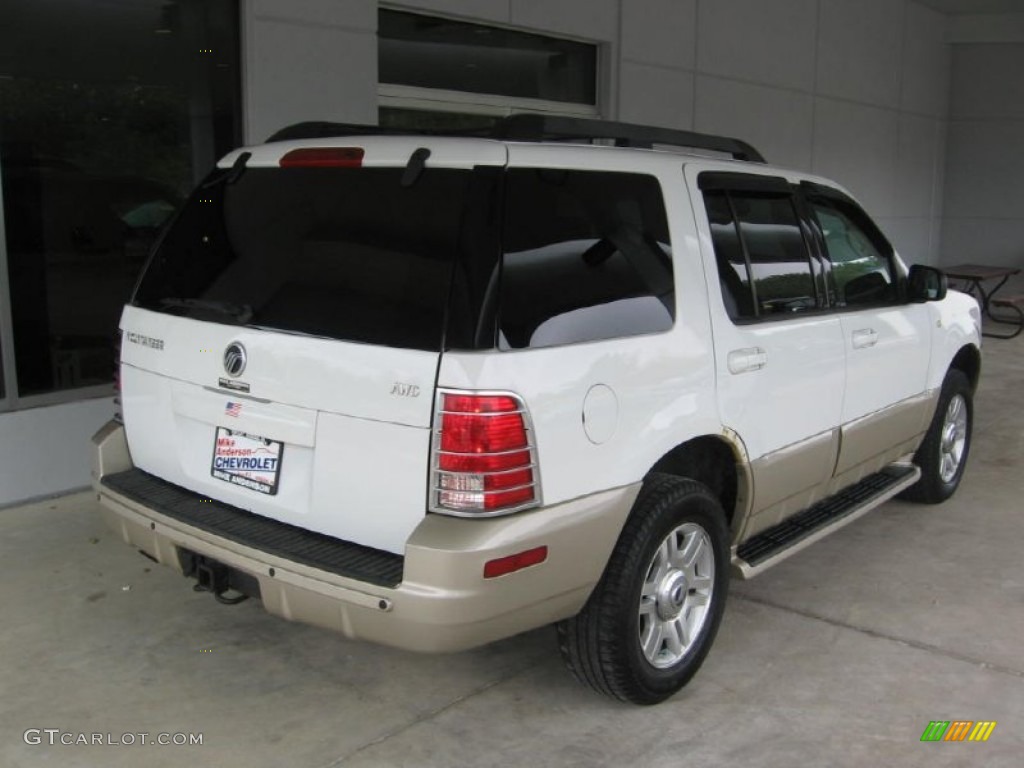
<point x="217" y="578"/>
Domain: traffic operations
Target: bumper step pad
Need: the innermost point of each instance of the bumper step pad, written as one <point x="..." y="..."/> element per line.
<point x="279" y="539"/>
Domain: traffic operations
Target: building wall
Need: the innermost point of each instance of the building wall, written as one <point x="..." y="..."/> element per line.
<point x="46" y="450"/>
<point x="984" y="196"/>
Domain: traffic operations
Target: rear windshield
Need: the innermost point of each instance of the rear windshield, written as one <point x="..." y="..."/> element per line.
<point x="348" y="254"/>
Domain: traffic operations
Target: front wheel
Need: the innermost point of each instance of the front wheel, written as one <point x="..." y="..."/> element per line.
<point x="653" y="617"/>
<point x="942" y="456"/>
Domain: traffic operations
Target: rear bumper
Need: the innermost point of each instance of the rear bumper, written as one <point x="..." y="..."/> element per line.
<point x="442" y="602"/>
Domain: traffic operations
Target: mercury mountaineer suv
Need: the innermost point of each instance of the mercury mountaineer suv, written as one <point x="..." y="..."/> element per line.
<point x="433" y="391"/>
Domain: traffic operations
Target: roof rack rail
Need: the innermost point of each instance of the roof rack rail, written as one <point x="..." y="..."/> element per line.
<point x="532" y="127"/>
<point x="528" y="127"/>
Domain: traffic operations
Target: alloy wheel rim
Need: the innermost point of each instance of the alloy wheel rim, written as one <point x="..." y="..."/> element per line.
<point x="675" y="599"/>
<point x="953" y="438"/>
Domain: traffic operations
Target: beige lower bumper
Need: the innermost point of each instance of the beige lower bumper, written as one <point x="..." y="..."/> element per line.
<point x="443" y="602"/>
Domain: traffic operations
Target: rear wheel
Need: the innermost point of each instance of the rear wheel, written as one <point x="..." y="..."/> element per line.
<point x="652" y="618"/>
<point x="942" y="456"/>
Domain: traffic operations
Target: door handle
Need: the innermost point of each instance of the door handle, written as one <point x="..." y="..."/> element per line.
<point x="864" y="338"/>
<point x="749" y="359"/>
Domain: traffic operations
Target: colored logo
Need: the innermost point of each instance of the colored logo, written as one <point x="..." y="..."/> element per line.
<point x="234" y="359"/>
<point x="233" y="409"/>
<point x="958" y="730"/>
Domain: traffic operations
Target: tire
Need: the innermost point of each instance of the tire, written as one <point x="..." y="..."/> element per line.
<point x="641" y="639"/>
<point x="942" y="455"/>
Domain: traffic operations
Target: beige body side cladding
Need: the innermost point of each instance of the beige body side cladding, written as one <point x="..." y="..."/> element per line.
<point x="825" y="464"/>
<point x="443" y="602"/>
<point x="878" y="439"/>
<point x="789" y="480"/>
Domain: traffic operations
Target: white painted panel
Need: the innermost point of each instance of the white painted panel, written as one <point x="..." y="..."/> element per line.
<point x="926" y="58"/>
<point x="45" y="451"/>
<point x="663" y="383"/>
<point x="592" y="19"/>
<point x="475" y="10"/>
<point x="754" y="40"/>
<point x="655" y="96"/>
<point x="859" y="50"/>
<point x="984" y="168"/>
<point x="901" y="349"/>
<point x="856" y="146"/>
<point x="917" y="165"/>
<point x="299" y="72"/>
<point x="777" y="122"/>
<point x="660" y="32"/>
<point x="988" y="82"/>
<point x="356" y="14"/>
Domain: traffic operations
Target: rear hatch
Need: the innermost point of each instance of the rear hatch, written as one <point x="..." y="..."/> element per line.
<point x="281" y="350"/>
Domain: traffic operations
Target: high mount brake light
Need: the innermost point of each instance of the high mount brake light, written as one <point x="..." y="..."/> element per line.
<point x="323" y="157"/>
<point x="482" y="455"/>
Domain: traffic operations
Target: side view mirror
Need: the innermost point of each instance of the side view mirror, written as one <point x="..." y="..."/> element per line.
<point x="926" y="284"/>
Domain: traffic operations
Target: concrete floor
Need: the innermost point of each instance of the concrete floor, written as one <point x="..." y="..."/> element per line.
<point x="840" y="656"/>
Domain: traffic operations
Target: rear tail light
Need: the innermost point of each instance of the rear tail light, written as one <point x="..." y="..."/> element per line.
<point x="483" y="455"/>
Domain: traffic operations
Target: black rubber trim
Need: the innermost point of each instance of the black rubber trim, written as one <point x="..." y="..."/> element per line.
<point x="825" y="512"/>
<point x="289" y="542"/>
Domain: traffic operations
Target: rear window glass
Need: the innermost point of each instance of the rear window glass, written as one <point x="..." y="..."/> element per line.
<point x="341" y="253"/>
<point x="586" y="257"/>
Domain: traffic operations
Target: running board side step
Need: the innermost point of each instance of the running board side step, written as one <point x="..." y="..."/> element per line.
<point x="790" y="536"/>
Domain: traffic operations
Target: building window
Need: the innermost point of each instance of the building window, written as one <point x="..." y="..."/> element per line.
<point x="440" y="73"/>
<point x="108" y="115"/>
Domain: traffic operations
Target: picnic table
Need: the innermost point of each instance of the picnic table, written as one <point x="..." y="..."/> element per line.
<point x="973" y="276"/>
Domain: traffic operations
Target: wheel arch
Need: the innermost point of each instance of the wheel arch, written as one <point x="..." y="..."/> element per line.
<point x="720" y="463"/>
<point x="968" y="361"/>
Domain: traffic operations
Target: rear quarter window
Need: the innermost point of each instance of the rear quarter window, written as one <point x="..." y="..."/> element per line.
<point x="586" y="256"/>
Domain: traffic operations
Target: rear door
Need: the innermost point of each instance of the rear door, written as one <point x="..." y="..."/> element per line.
<point x="779" y="352"/>
<point x="281" y="349"/>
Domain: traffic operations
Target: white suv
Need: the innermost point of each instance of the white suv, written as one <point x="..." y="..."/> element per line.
<point x="434" y="391"/>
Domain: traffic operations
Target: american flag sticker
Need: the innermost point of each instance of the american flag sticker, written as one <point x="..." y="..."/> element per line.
<point x="233" y="409"/>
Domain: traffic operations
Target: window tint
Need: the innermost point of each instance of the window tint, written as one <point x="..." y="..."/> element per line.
<point x="861" y="260"/>
<point x="763" y="263"/>
<point x="342" y="253"/>
<point x="733" y="275"/>
<point x="586" y="256"/>
<point x="779" y="263"/>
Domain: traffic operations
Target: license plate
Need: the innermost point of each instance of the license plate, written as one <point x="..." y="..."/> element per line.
<point x="247" y="460"/>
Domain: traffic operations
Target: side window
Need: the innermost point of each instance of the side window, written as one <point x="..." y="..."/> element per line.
<point x="763" y="263"/>
<point x="862" y="263"/>
<point x="586" y="257"/>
